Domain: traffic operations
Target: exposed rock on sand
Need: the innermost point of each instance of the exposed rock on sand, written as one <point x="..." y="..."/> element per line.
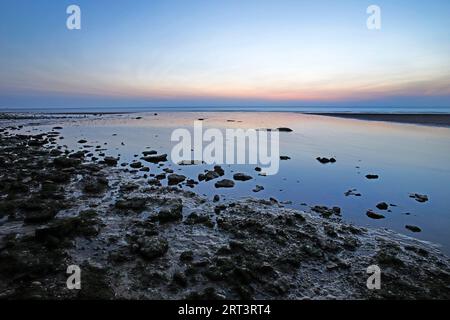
<point x="372" y="176"/>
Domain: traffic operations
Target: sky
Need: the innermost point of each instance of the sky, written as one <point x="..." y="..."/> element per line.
<point x="224" y="53"/>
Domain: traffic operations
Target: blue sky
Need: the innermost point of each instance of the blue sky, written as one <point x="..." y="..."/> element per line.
<point x="247" y="52"/>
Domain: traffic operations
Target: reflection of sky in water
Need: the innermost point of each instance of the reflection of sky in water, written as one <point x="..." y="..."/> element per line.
<point x="408" y="158"/>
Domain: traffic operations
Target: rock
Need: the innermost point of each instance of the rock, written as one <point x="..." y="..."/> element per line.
<point x="149" y="153"/>
<point x="258" y="169"/>
<point x="136" y="204"/>
<point x="167" y="215"/>
<point x="110" y="161"/>
<point x="82" y="141"/>
<point x="77" y="155"/>
<point x="382" y="206"/>
<point x="216" y="198"/>
<point x="208" y="176"/>
<point x="64" y="162"/>
<point x="190" y="162"/>
<point x="174" y="179"/>
<point x="95" y="186"/>
<point x="327" y="212"/>
<point x="173" y="212"/>
<point x="241" y="177"/>
<point x="219" y="170"/>
<point x="284" y="129"/>
<point x="374" y="215"/>
<point x="419" y="197"/>
<point x="352" y="192"/>
<point x="136" y="165"/>
<point x="180" y="279"/>
<point x="187" y="256"/>
<point x="155" y="158"/>
<point x="413" y="228"/>
<point x="285" y="158"/>
<point x="372" y="176"/>
<point x="194" y="218"/>
<point x="152" y="247"/>
<point x="258" y="188"/>
<point x="326" y="160"/>
<point x="225" y="183"/>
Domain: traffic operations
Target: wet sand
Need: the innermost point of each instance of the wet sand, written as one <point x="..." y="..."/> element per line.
<point x="424" y="119"/>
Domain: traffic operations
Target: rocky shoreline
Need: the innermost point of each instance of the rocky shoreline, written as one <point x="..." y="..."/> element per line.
<point x="136" y="239"/>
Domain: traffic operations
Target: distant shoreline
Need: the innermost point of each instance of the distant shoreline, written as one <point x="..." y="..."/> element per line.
<point x="434" y="119"/>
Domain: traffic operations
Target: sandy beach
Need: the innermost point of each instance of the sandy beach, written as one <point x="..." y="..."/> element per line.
<point x="418" y="118"/>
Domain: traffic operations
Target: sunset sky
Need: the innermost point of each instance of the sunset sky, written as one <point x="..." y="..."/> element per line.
<point x="217" y="53"/>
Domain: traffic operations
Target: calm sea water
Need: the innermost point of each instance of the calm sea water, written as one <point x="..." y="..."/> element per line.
<point x="408" y="159"/>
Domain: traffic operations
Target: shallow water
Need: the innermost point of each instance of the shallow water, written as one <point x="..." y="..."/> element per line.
<point x="408" y="159"/>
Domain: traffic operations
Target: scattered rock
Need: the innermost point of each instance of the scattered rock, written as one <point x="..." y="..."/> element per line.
<point x="374" y="215"/>
<point x="413" y="228"/>
<point x="382" y="206"/>
<point x="225" y="183"/>
<point x="372" y="176"/>
<point x="155" y="158"/>
<point x="419" y="197"/>
<point x="241" y="177"/>
<point x="174" y="179"/>
<point x="326" y="160"/>
<point x="258" y="188"/>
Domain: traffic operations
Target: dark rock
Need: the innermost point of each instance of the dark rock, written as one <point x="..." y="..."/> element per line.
<point x="241" y="177"/>
<point x="382" y="206"/>
<point x="327" y="212"/>
<point x="284" y="129"/>
<point x="111" y="161"/>
<point x="285" y="158"/>
<point x="372" y="176"/>
<point x="152" y="247"/>
<point x="219" y="170"/>
<point x="413" y="228"/>
<point x="225" y="183"/>
<point x="326" y="160"/>
<point x="149" y="153"/>
<point x="187" y="256"/>
<point x="136" y="204"/>
<point x="64" y="162"/>
<point x="374" y="215"/>
<point x="174" y="179"/>
<point x="258" y="188"/>
<point x="155" y="158"/>
<point x="419" y="197"/>
<point x="136" y="165"/>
